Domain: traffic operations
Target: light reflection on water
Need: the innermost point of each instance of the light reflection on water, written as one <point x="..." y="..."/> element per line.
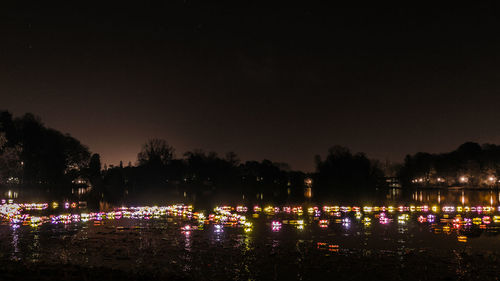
<point x="212" y="252"/>
<point x="15" y="244"/>
<point x="445" y="196"/>
<point x="234" y="252"/>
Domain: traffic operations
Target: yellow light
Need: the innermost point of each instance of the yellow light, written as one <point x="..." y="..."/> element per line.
<point x="358" y="215"/>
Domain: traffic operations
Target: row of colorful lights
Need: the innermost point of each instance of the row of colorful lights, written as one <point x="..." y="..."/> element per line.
<point x="16" y="214"/>
<point x="367" y="209"/>
<point x="227" y="216"/>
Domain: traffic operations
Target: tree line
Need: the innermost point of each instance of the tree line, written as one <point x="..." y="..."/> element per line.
<point x="48" y="163"/>
<point x="36" y="156"/>
<point x="471" y="164"/>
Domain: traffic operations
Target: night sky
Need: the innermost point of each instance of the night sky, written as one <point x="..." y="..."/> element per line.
<point x="283" y="82"/>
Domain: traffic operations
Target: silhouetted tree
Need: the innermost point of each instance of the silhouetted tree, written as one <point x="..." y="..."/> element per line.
<point x="10" y="162"/>
<point x="470" y="164"/>
<point x="95" y="166"/>
<point x="155" y="152"/>
<point x="46" y="156"/>
<point x="7" y="127"/>
<point x="232" y="158"/>
<point x="3" y="141"/>
<point x="341" y="171"/>
<point x="114" y="185"/>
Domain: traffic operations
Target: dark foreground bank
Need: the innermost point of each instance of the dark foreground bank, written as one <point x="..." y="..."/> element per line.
<point x="400" y="266"/>
<point x="66" y="272"/>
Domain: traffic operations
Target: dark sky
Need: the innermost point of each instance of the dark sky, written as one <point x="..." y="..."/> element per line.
<point x="282" y="81"/>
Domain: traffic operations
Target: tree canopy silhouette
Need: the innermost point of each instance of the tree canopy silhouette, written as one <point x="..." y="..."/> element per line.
<point x="40" y="155"/>
<point x="470" y="164"/>
<point x="155" y="152"/>
<point x="50" y="160"/>
<point x="343" y="171"/>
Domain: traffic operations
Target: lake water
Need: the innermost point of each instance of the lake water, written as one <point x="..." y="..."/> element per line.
<point x="457" y="240"/>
